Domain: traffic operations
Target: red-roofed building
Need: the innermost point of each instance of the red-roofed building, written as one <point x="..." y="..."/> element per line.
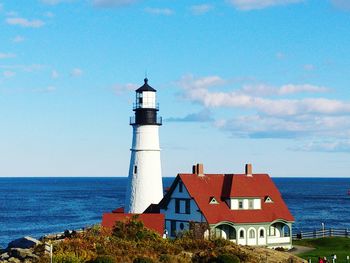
<point x="151" y="221"/>
<point x="245" y="208"/>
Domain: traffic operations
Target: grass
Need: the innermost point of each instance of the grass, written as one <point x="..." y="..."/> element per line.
<point x="326" y="247"/>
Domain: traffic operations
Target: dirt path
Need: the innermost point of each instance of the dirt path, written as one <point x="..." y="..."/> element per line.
<point x="300" y="249"/>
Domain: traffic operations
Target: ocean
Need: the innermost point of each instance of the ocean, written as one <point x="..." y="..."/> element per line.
<point x="38" y="206"/>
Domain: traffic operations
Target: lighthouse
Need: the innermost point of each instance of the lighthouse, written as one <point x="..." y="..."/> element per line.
<point x="145" y="185"/>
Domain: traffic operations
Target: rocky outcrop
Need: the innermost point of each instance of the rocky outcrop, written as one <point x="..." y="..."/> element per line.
<point x="23" y="242"/>
<point x="20" y="250"/>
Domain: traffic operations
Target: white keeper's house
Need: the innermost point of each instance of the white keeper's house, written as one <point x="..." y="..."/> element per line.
<point x="244" y="208"/>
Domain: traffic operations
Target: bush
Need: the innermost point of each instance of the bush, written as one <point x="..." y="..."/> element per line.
<point x="165" y="258"/>
<point x="143" y="260"/>
<point x="103" y="259"/>
<point x="67" y="258"/>
<point x="227" y="258"/>
<point x="133" y="229"/>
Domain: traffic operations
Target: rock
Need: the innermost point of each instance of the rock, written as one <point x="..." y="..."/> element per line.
<point x="4" y="256"/>
<point x="21" y="253"/>
<point x="13" y="260"/>
<point x="23" y="242"/>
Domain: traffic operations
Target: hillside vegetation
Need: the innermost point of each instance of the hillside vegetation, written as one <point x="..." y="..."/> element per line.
<point x="130" y="242"/>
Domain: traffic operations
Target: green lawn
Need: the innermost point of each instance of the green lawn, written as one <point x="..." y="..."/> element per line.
<point x="326" y="247"/>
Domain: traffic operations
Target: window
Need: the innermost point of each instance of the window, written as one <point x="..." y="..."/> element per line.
<point x="251" y="204"/>
<point x="181" y="187"/>
<point x="240" y="204"/>
<point x="182" y="206"/>
<point x="182" y="226"/>
<point x="272" y="231"/>
<point x="251" y="233"/>
<point x="241" y="234"/>
<point x="172" y="228"/>
<point x="261" y="233"/>
<point x="188" y="207"/>
<point x="213" y="201"/>
<point x="177" y="206"/>
<point x="135" y="169"/>
<point x="285" y="231"/>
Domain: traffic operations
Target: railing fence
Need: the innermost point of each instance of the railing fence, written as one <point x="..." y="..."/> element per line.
<point x="331" y="232"/>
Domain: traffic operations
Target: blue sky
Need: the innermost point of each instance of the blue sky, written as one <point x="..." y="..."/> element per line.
<point x="239" y="81"/>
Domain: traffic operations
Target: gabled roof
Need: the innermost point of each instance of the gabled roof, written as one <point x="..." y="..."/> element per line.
<point x="145" y="87"/>
<point x="224" y="186"/>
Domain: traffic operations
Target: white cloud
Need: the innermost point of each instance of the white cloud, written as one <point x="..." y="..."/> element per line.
<point x="54" y="74"/>
<point x="9" y="74"/>
<point x="120" y="89"/>
<point x="159" y="11"/>
<point x="49" y="14"/>
<point x="19" y="21"/>
<point x="76" y="72"/>
<point x="112" y="3"/>
<point x="309" y="67"/>
<point x="7" y="55"/>
<point x="55" y="2"/>
<point x="11" y="13"/>
<point x="18" y="39"/>
<point x="266" y="113"/>
<point x="25" y="68"/>
<point x="201" y="9"/>
<point x="259" y="4"/>
<point x="342" y="4"/>
<point x="266" y="90"/>
<point x="325" y="146"/>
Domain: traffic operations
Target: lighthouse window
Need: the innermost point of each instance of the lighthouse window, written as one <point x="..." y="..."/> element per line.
<point x="135" y="169"/>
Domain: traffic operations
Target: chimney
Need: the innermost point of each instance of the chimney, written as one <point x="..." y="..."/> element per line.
<point x="249" y="169"/>
<point x="194" y="169"/>
<point x="198" y="169"/>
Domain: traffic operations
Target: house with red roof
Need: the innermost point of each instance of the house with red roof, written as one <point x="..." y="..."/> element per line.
<point x="244" y="208"/>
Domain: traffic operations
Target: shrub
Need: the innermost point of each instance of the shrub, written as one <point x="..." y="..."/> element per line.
<point x="220" y="242"/>
<point x="133" y="229"/>
<point x="103" y="259"/>
<point x="165" y="258"/>
<point x="67" y="258"/>
<point x="227" y="258"/>
<point x="143" y="260"/>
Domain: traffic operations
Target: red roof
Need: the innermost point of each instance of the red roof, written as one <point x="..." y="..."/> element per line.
<point x="152" y="221"/>
<point x="223" y="186"/>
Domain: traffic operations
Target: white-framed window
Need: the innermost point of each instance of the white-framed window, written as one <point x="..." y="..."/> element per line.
<point x="251" y="204"/>
<point x="272" y="231"/>
<point x="240" y="204"/>
<point x="241" y="234"/>
<point x="251" y="233"/>
<point x="261" y="233"/>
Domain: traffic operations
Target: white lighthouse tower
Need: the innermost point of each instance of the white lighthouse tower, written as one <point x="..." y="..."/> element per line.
<point x="145" y="185"/>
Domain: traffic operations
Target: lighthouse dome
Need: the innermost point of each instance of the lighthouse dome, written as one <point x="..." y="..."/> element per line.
<point x="145" y="87"/>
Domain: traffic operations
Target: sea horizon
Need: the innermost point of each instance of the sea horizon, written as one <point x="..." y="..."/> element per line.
<point x="36" y="206"/>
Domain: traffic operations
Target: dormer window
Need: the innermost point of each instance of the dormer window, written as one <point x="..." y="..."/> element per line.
<point x="268" y="199"/>
<point x="213" y="201"/>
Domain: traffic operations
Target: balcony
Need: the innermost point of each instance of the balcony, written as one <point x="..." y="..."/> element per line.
<point x="136" y="106"/>
<point x="158" y="121"/>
